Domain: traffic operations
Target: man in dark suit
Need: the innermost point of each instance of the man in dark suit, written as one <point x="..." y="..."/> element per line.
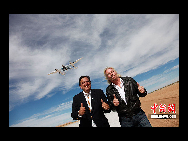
<point x="90" y="105"/>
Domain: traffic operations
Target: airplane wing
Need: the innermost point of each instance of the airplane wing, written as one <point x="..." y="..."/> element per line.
<point x="76" y="61"/>
<point x="52" y="72"/>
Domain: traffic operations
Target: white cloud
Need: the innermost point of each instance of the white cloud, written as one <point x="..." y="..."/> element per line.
<point x="51" y="117"/>
<point x="47" y="121"/>
<point x="29" y="67"/>
<point x="175" y="67"/>
<point x="132" y="44"/>
<point x="163" y="79"/>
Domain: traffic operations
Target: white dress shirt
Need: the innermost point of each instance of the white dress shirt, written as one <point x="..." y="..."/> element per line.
<point x="121" y="90"/>
<point x="86" y="97"/>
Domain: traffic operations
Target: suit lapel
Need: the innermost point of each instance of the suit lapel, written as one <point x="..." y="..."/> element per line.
<point x="83" y="99"/>
<point x="114" y="91"/>
<point x="93" y="99"/>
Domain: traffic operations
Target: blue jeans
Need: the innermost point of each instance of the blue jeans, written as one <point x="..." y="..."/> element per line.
<point x="138" y="120"/>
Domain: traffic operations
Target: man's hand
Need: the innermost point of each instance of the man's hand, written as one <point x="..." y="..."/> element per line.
<point x="140" y="88"/>
<point x="105" y="105"/>
<point x="82" y="110"/>
<point x="115" y="101"/>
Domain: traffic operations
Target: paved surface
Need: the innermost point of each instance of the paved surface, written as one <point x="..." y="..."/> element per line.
<point x="112" y="117"/>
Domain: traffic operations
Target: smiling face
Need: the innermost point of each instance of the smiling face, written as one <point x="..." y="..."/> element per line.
<point x="85" y="84"/>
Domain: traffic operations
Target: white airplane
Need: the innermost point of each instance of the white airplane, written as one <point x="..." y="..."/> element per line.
<point x="66" y="67"/>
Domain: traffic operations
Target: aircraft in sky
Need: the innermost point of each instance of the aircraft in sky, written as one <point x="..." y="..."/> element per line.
<point x="66" y="67"/>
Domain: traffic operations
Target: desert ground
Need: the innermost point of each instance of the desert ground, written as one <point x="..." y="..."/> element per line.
<point x="167" y="95"/>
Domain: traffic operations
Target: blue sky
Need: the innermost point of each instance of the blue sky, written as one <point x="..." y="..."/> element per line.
<point x="145" y="47"/>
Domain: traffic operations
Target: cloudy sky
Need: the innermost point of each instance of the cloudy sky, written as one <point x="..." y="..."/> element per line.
<point x="145" y="47"/>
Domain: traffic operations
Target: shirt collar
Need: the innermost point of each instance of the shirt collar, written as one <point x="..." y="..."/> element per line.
<point x="121" y="80"/>
<point x="85" y="94"/>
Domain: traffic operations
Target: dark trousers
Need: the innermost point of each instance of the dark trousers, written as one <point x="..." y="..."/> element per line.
<point x="138" y="120"/>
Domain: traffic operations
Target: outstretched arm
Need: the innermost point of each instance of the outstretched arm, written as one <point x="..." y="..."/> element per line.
<point x="141" y="91"/>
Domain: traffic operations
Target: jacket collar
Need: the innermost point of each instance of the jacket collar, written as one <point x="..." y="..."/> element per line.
<point x="122" y="78"/>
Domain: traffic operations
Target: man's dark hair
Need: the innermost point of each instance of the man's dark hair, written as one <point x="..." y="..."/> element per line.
<point x="83" y="77"/>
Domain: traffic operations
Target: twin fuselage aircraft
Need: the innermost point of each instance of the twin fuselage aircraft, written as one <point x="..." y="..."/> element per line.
<point x="66" y="67"/>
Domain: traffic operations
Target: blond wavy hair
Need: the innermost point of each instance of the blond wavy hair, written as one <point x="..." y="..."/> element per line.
<point x="109" y="82"/>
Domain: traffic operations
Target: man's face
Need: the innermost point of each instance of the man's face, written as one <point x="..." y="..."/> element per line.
<point x="85" y="84"/>
<point x="111" y="74"/>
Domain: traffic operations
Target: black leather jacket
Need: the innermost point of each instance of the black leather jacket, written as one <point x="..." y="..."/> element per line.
<point x="131" y="91"/>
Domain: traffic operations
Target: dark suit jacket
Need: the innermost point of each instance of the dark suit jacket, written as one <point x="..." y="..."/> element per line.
<point x="97" y="111"/>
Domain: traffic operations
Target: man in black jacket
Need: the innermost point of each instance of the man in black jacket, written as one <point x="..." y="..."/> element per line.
<point x="89" y="105"/>
<point x="123" y="96"/>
